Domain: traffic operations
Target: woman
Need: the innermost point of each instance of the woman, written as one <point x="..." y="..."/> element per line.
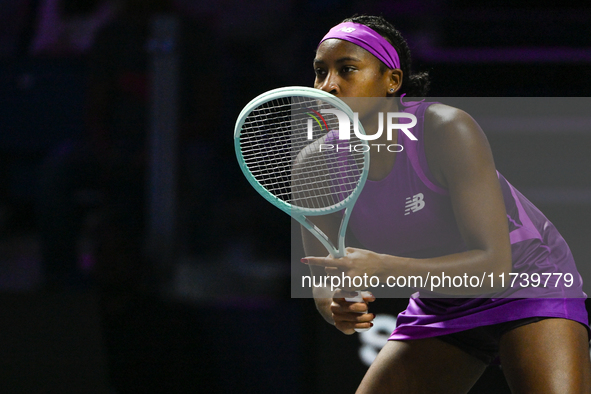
<point x="467" y="220"/>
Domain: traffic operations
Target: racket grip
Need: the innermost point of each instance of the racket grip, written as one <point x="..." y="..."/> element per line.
<point x="357" y="298"/>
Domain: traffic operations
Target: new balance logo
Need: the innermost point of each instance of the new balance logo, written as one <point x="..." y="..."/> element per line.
<point x="414" y="203"/>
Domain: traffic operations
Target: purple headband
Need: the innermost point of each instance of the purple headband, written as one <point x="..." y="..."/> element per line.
<point x="367" y="39"/>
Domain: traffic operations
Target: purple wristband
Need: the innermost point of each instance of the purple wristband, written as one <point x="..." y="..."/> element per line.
<point x="367" y="39"/>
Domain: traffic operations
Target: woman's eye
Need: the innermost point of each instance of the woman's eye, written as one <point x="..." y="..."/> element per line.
<point x="319" y="72"/>
<point x="348" y="69"/>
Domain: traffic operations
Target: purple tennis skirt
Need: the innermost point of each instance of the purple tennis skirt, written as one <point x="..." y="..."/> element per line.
<point x="431" y="317"/>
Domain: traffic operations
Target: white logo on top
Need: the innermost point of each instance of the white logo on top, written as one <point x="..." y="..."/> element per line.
<point x="414" y="203"/>
<point x="348" y="29"/>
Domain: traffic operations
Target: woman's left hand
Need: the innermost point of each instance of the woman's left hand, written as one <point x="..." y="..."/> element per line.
<point x="356" y="263"/>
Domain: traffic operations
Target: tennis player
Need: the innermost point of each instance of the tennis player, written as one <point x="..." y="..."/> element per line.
<point x="440" y="207"/>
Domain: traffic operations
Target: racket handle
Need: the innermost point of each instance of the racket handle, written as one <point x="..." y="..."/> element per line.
<point x="357" y="298"/>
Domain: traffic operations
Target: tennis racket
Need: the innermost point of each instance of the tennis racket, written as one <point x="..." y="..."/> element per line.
<point x="289" y="146"/>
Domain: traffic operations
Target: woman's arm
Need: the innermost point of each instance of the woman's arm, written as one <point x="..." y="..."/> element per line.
<point x="333" y="307"/>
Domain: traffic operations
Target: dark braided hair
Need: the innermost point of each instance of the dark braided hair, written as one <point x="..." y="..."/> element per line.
<point x="414" y="85"/>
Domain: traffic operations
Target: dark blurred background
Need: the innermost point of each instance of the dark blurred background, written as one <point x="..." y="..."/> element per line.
<point x="135" y="258"/>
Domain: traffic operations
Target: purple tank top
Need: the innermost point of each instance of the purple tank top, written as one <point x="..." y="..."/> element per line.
<point x="416" y="220"/>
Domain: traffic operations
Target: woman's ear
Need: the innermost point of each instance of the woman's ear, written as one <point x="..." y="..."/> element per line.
<point x="394" y="80"/>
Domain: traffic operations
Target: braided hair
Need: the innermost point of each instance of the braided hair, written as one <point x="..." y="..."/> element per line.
<point x="413" y="85"/>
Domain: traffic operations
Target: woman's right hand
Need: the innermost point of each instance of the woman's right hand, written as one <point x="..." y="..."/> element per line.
<point x="348" y="316"/>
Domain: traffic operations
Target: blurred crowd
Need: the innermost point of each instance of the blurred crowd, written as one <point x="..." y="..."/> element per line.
<point x="75" y="105"/>
<point x="88" y="202"/>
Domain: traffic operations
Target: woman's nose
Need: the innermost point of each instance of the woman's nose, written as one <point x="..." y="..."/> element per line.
<point x="329" y="85"/>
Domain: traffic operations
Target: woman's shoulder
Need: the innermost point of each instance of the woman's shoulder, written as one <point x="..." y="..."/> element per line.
<point x="446" y="125"/>
<point x="452" y="139"/>
<point x="442" y="116"/>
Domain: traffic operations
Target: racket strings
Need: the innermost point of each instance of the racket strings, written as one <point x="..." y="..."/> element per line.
<point x="301" y="165"/>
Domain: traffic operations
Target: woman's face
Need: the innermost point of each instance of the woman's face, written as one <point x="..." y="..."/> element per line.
<point x="347" y="70"/>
